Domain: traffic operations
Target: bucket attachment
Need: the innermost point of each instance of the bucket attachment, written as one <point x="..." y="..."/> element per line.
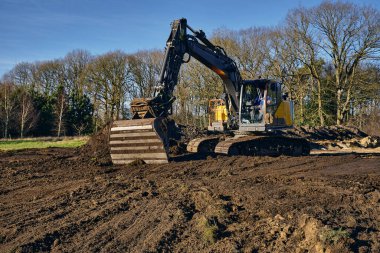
<point x="139" y="139"/>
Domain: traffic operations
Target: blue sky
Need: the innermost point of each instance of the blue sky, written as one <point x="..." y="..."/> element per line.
<point x="37" y="30"/>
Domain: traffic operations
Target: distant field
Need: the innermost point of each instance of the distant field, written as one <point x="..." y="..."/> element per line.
<point x="42" y="143"/>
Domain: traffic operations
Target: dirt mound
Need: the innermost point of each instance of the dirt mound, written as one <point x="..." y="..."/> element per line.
<point x="370" y="142"/>
<point x="190" y="132"/>
<point x="97" y="150"/>
<point x="335" y="137"/>
<point x="180" y="135"/>
<point x="53" y="200"/>
<point x="327" y="133"/>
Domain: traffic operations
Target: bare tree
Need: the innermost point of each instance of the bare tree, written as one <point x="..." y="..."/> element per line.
<point x="248" y="47"/>
<point x="74" y="65"/>
<point x="48" y="76"/>
<point x="144" y="69"/>
<point x="22" y="74"/>
<point x="28" y="116"/>
<point x="7" y="105"/>
<point x="106" y="78"/>
<point x="302" y="38"/>
<point x="197" y="85"/>
<point x="60" y="108"/>
<point x="350" y="34"/>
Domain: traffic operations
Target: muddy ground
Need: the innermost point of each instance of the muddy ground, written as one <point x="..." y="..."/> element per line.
<point x="61" y="200"/>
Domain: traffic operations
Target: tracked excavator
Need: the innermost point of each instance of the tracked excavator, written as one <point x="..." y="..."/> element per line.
<point x="251" y="111"/>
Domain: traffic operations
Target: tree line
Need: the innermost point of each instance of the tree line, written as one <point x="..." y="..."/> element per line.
<point x="327" y="56"/>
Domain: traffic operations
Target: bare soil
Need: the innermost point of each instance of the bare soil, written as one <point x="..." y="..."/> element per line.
<point x="74" y="200"/>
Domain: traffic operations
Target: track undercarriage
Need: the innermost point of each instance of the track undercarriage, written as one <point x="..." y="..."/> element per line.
<point x="147" y="140"/>
<point x="249" y="145"/>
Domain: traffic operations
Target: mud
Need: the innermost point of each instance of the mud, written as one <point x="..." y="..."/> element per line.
<point x="96" y="150"/>
<point x="65" y="200"/>
<point x="334" y="133"/>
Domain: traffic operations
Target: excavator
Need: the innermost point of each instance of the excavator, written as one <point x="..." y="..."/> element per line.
<point x="253" y="112"/>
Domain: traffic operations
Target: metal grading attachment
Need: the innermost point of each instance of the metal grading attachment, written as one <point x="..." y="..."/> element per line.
<point x="139" y="139"/>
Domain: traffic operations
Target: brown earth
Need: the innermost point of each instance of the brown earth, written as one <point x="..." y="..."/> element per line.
<point x="74" y="200"/>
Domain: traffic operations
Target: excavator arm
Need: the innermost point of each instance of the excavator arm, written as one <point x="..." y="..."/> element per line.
<point x="198" y="46"/>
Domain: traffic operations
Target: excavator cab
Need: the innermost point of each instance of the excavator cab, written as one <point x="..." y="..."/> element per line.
<point x="252" y="104"/>
<point x="263" y="107"/>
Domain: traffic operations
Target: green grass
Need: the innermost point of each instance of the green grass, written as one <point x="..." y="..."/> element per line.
<point x="6" y="145"/>
<point x="334" y="235"/>
<point x="209" y="229"/>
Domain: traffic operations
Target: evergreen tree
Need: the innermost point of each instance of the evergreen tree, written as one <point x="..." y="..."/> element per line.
<point x="45" y="105"/>
<point x="79" y="115"/>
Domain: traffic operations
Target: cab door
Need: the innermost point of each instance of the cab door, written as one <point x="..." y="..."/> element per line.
<point x="252" y="108"/>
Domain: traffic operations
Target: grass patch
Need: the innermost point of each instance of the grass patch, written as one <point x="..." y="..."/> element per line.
<point x="334" y="235"/>
<point x="209" y="229"/>
<point x="7" y="145"/>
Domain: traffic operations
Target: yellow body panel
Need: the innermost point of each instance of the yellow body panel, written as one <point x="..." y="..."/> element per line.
<point x="283" y="113"/>
<point x="221" y="113"/>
